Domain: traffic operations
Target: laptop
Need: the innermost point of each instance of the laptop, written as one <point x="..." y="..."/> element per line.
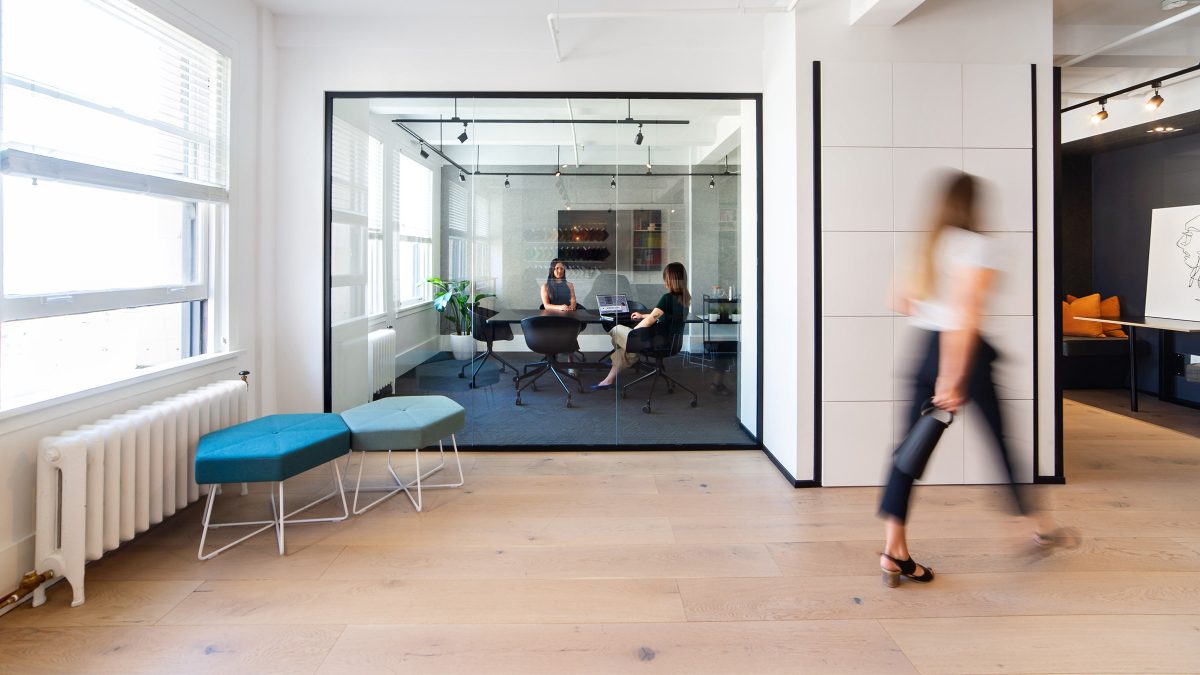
<point x="612" y="304"/>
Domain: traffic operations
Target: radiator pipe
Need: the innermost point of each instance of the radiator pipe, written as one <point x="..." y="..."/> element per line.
<point x="29" y="582"/>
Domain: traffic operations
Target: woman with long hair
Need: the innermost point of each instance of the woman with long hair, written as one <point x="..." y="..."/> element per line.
<point x="557" y="292"/>
<point x="672" y="308"/>
<point x="946" y="299"/>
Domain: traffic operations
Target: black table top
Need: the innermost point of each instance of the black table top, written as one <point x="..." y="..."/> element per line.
<point x="580" y="315"/>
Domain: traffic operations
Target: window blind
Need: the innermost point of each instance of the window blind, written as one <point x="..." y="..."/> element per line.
<point x="78" y="86"/>
<point x="456" y="203"/>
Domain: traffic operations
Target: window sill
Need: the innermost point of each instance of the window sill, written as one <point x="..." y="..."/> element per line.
<point x="414" y="309"/>
<point x="50" y="409"/>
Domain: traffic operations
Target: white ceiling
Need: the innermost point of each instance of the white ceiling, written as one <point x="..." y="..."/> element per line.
<point x="483" y="8"/>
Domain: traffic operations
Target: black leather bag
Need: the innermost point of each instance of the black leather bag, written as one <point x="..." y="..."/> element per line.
<point x="914" y="451"/>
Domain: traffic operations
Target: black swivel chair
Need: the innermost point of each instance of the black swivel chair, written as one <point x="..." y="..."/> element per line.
<point x="549" y="336"/>
<point x="483" y="331"/>
<point x="655" y="344"/>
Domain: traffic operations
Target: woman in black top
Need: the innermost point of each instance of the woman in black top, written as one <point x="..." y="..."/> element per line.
<point x="557" y="292"/>
<point x="672" y="307"/>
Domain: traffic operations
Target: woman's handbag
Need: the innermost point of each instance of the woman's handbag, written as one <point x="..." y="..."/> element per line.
<point x="914" y="451"/>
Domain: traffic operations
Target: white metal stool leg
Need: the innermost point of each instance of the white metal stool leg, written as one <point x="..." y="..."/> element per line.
<point x="417" y="502"/>
<point x="279" y="517"/>
<point x="358" y="486"/>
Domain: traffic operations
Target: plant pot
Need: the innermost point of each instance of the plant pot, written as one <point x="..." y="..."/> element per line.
<point x="737" y="318"/>
<point x="462" y="347"/>
<point x="713" y="318"/>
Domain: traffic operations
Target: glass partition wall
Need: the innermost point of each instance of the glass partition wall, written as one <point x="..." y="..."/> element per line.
<point x="447" y="216"/>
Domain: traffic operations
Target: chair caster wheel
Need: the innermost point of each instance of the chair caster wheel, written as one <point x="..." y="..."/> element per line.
<point x="470" y="385"/>
<point x="646" y="409"/>
<point x="533" y="386"/>
<point x="569" y="402"/>
<point x="671" y="390"/>
<point x="518" y="401"/>
<point x="693" y="403"/>
<point x="461" y="376"/>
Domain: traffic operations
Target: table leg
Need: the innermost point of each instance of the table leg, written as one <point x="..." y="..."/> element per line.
<point x="1133" y="392"/>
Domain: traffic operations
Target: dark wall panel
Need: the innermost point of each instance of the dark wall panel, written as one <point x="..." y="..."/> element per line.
<point x="1126" y="186"/>
<point x="1077" y="224"/>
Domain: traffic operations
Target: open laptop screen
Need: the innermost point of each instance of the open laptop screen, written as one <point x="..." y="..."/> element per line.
<point x="612" y="304"/>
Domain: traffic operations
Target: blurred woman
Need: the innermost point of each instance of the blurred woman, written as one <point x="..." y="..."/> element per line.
<point x="954" y="277"/>
<point x="672" y="308"/>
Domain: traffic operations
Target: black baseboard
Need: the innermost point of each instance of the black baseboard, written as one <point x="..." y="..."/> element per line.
<point x="788" y="474"/>
<point x="1049" y="480"/>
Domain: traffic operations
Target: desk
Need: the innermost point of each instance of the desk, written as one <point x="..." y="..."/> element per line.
<point x="1132" y="323"/>
<point x="581" y="315"/>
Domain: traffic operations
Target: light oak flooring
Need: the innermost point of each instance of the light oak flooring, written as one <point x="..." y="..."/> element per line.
<point x="685" y="562"/>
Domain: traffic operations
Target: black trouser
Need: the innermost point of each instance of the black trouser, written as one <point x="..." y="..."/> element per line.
<point x="981" y="390"/>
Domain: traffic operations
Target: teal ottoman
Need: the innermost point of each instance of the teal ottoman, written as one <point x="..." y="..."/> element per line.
<point x="270" y="449"/>
<point x="402" y="423"/>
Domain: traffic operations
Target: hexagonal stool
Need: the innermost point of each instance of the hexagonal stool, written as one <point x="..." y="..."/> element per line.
<point x="400" y="423"/>
<point x="270" y="449"/>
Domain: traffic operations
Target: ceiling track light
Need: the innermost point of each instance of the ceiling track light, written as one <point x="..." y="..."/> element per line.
<point x="726" y="164"/>
<point x="639" y="138"/>
<point x="557" y="160"/>
<point x="1101" y="114"/>
<point x="613" y="183"/>
<point x="712" y="183"/>
<point x="649" y="164"/>
<point x="424" y="155"/>
<point x="506" y="183"/>
<point x="1156" y="83"/>
<point x="462" y="177"/>
<point x="462" y="138"/>
<point x="1155" y="101"/>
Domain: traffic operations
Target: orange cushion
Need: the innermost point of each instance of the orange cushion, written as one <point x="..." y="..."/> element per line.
<point x="1110" y="308"/>
<point x="1085" y="306"/>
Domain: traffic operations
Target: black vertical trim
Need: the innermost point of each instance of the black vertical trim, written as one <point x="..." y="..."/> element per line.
<point x="1059" y="292"/>
<point x="1033" y="112"/>
<point x="817" y="272"/>
<point x="758" y="120"/>
<point x="328" y="262"/>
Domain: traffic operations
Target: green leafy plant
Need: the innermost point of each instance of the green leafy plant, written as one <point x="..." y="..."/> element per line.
<point x="453" y="300"/>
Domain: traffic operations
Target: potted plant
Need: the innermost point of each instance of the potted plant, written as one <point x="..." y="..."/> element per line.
<point x="736" y="314"/>
<point x="453" y="301"/>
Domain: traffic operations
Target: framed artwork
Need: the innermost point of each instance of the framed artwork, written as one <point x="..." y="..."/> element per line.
<point x="1173" y="275"/>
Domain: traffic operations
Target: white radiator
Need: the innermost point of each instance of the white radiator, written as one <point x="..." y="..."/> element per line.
<point x="381" y="358"/>
<point x="100" y="484"/>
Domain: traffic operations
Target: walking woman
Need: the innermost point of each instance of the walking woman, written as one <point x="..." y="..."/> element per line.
<point x="946" y="299"/>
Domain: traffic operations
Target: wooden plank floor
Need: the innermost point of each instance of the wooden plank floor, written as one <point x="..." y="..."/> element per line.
<point x="691" y="562"/>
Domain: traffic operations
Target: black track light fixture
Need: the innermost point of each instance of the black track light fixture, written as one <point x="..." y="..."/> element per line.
<point x="1101" y="114"/>
<point x="613" y="183"/>
<point x="424" y="155"/>
<point x="712" y="183"/>
<point x="462" y="138"/>
<point x="726" y="165"/>
<point x="639" y="138"/>
<point x="649" y="164"/>
<point x="462" y="177"/>
<point x="506" y="183"/>
<point x="1156" y="100"/>
<point x="557" y="161"/>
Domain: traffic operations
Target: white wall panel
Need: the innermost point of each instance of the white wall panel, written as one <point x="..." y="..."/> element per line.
<point x="857" y="273"/>
<point x="858" y="359"/>
<point x="1007" y="200"/>
<point x="908" y="349"/>
<point x="856" y="189"/>
<point x="858" y="443"/>
<point x="856" y="104"/>
<point x="1014" y="284"/>
<point x="918" y="175"/>
<point x="980" y="461"/>
<point x="927" y="105"/>
<point x="996" y="106"/>
<point x="1012" y="336"/>
<point x="946" y="465"/>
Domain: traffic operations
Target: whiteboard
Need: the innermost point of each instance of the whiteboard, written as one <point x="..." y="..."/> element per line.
<point x="1173" y="275"/>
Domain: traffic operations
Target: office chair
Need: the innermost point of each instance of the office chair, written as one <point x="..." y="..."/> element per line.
<point x="582" y="327"/>
<point x="549" y="336"/>
<point x="483" y="331"/>
<point x="655" y="344"/>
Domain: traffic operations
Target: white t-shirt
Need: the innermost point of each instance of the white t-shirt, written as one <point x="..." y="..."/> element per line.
<point x="957" y="249"/>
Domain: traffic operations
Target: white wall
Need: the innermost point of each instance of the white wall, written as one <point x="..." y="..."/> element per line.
<point x="508" y="52"/>
<point x="940" y="31"/>
<point x="234" y="27"/>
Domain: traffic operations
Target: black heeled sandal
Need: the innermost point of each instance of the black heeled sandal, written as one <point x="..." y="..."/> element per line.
<point x="908" y="568"/>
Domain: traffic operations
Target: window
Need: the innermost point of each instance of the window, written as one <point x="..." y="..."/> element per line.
<point x="376" y="289"/>
<point x="115" y="192"/>
<point x="412" y="221"/>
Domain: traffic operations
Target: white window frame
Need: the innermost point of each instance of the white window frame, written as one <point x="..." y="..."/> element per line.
<point x="211" y="217"/>
<point x="392" y="230"/>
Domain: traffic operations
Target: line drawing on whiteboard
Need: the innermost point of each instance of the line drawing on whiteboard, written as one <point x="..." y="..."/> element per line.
<point x="1189" y="243"/>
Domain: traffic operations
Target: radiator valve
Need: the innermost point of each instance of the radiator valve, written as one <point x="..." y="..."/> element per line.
<point x="29" y="582"/>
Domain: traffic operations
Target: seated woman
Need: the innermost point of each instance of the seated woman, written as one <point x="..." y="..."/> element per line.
<point x="672" y="308"/>
<point x="557" y="292"/>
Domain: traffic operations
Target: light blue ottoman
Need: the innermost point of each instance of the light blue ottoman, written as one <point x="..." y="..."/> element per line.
<point x="402" y="423"/>
<point x="270" y="449"/>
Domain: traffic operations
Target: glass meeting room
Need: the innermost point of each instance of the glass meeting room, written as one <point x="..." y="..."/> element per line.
<point x="576" y="271"/>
